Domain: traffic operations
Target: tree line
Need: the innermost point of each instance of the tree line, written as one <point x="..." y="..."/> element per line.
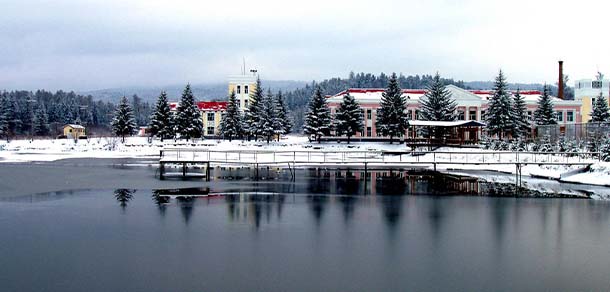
<point x="43" y="113"/>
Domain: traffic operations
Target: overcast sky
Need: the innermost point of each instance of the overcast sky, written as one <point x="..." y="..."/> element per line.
<point x="90" y="44"/>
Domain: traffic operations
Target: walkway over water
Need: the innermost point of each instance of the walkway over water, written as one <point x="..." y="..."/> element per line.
<point x="365" y="159"/>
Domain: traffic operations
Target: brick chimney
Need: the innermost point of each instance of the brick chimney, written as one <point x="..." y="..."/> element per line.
<point x="560" y="83"/>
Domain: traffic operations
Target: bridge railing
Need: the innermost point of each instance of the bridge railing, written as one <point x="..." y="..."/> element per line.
<point x="373" y="156"/>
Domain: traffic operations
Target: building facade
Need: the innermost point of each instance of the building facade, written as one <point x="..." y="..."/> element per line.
<point x="211" y="115"/>
<point x="587" y="90"/>
<point x="471" y="105"/>
<point x="243" y="85"/>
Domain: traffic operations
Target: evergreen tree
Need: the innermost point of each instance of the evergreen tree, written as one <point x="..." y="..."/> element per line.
<point x="545" y="114"/>
<point x="391" y="117"/>
<point x="317" y="119"/>
<point x="348" y="120"/>
<point x="231" y="124"/>
<point x="521" y="124"/>
<point x="189" y="123"/>
<point x="437" y="105"/>
<point x="252" y="119"/>
<point x="162" y="120"/>
<point x="4" y="118"/>
<point x="268" y="122"/>
<point x="600" y="112"/>
<point x="499" y="113"/>
<point x="283" y="124"/>
<point x="41" y="122"/>
<point x="123" y="123"/>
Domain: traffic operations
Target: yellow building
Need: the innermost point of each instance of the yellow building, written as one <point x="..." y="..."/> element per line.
<point x="73" y="131"/>
<point x="243" y="85"/>
<point x="587" y="90"/>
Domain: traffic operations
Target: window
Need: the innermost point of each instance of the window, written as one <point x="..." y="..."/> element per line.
<point x="210" y="131"/>
<point x="210" y="117"/>
<point x="559" y="115"/>
<point x="460" y="115"/>
<point x="530" y="115"/>
<point x="472" y="115"/>
<point x="417" y="115"/>
<point x="409" y="115"/>
<point x="238" y="89"/>
<point x="222" y="116"/>
<point x="369" y="114"/>
<point x="369" y="131"/>
<point x="246" y="89"/>
<point x="246" y="103"/>
<point x="570" y="117"/>
<point x="596" y="84"/>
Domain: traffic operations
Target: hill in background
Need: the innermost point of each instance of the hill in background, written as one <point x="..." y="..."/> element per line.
<point x="207" y="91"/>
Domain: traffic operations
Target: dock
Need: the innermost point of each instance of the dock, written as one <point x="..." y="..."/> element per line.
<point x="184" y="158"/>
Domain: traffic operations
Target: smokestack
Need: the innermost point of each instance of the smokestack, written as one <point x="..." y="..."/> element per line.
<point x="560" y="83"/>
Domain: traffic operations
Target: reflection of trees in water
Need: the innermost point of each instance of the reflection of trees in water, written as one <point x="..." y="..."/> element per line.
<point x="317" y="204"/>
<point x="123" y="196"/>
<point x="161" y="202"/>
<point x="254" y="208"/>
<point x="348" y="204"/>
<point x="392" y="212"/>
<point x="187" y="206"/>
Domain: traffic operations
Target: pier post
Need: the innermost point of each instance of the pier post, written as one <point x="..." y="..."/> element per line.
<point x="161" y="170"/>
<point x="184" y="170"/>
<point x="207" y="171"/>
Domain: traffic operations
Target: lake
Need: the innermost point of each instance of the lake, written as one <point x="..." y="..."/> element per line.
<point x="327" y="231"/>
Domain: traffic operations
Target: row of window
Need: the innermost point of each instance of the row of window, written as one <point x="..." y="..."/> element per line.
<point x="570" y="116"/>
<point x="238" y="89"/>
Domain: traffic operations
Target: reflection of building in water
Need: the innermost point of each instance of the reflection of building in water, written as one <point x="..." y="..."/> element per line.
<point x="255" y="208"/>
<point x="390" y="182"/>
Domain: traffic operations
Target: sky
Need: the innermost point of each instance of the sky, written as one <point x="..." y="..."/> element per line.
<point x="96" y="44"/>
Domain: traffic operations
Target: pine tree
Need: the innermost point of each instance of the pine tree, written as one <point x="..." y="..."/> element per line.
<point x="317" y="119"/>
<point x="283" y="124"/>
<point x="41" y="122"/>
<point x="521" y="124"/>
<point x="123" y="123"/>
<point x="391" y="117"/>
<point x="545" y="114"/>
<point x="231" y="124"/>
<point x="162" y="120"/>
<point x="252" y="119"/>
<point x="600" y="112"/>
<point x="499" y="113"/>
<point x="348" y="120"/>
<point x="4" y="118"/>
<point x="189" y="123"/>
<point x="268" y="122"/>
<point x="437" y="106"/>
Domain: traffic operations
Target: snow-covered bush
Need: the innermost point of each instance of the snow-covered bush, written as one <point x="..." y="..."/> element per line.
<point x="544" y="145"/>
<point x="518" y="145"/>
<point x="605" y="150"/>
<point x="503" y="145"/>
<point x="562" y="145"/>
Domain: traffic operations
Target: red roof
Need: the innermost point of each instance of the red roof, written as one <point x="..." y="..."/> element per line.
<point x="423" y="91"/>
<point x="206" y="105"/>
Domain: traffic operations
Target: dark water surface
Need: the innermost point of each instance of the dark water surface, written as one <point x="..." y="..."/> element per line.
<point x="333" y="232"/>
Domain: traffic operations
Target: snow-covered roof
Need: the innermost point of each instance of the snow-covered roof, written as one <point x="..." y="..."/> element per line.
<point x="461" y="96"/>
<point x="205" y="105"/>
<point x="447" y="124"/>
<point x="75" y="126"/>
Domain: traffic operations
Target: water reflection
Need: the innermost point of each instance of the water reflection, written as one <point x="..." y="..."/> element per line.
<point x="123" y="196"/>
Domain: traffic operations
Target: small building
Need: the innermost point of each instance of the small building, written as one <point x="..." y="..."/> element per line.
<point x="73" y="131"/>
<point x="243" y="85"/>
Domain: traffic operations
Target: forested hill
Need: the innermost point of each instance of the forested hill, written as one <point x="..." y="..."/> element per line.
<point x="297" y="99"/>
<point x="209" y="91"/>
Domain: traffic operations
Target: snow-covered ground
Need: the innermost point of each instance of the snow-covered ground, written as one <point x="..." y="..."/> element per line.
<point x="298" y="148"/>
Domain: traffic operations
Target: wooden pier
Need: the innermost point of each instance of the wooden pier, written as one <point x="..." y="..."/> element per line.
<point x="182" y="158"/>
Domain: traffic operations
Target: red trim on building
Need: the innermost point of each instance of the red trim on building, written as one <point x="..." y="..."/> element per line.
<point x="205" y="105"/>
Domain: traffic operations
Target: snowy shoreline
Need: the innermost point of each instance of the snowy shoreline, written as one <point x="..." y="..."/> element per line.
<point x="24" y="151"/>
